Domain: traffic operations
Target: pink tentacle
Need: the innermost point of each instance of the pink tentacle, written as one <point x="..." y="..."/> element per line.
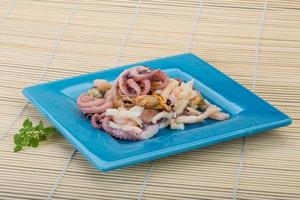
<point x="86" y="101"/>
<point x="96" y="118"/>
<point x="131" y="77"/>
<point x="111" y="94"/>
<point x="132" y="84"/>
<point x="146" y="86"/>
<point x="105" y="125"/>
<point x="122" y="85"/>
<point x="120" y="134"/>
<point x="142" y="77"/>
<point x="121" y="82"/>
<point x="141" y="73"/>
<point x="142" y="69"/>
<point x="99" y="109"/>
<point x="132" y="72"/>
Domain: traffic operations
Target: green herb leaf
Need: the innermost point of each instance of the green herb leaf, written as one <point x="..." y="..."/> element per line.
<point x="40" y="126"/>
<point x="26" y="138"/>
<point x="43" y="138"/>
<point x="49" y="130"/>
<point x="27" y="123"/>
<point x="18" y="139"/>
<point x="34" y="142"/>
<point x="18" y="148"/>
<point x="31" y="136"/>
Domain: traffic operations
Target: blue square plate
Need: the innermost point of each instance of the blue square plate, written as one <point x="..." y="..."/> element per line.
<point x="249" y="114"/>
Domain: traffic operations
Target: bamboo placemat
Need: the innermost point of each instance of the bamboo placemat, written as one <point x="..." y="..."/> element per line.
<point x="255" y="42"/>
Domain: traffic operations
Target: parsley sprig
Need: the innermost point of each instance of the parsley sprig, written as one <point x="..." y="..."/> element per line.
<point x="30" y="135"/>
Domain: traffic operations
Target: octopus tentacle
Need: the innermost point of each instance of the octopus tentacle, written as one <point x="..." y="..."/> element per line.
<point x="86" y="101"/>
<point x="132" y="84"/>
<point x="143" y="69"/>
<point x="99" y="109"/>
<point x="120" y="134"/>
<point x="146" y="86"/>
<point x="139" y="73"/>
<point x="110" y="95"/>
<point x="96" y="120"/>
<point x="105" y="126"/>
<point x="132" y="78"/>
<point x="143" y="73"/>
<point x="122" y="85"/>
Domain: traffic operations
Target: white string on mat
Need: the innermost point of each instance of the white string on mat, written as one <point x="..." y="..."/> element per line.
<point x="190" y="41"/>
<point x="60" y="176"/>
<point x="122" y="46"/>
<point x="131" y="25"/>
<point x="4" y="133"/>
<point x="146" y="179"/>
<point x="256" y="64"/>
<point x="258" y="41"/>
<point x="2" y="20"/>
<point x="50" y="60"/>
<point x="189" y="44"/>
<point x="8" y="12"/>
